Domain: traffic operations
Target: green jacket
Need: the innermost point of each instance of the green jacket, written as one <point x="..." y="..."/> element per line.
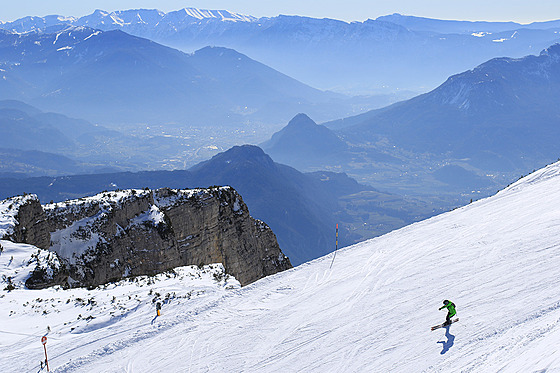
<point x="450" y="308"/>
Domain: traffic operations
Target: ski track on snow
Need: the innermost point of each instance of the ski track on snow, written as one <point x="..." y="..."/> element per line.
<point x="497" y="259"/>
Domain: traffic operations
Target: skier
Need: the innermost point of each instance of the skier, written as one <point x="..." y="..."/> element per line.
<point x="450" y="306"/>
<point x="158" y="309"/>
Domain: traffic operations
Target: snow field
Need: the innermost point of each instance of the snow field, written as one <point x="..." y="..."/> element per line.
<point x="76" y="320"/>
<point x="497" y="259"/>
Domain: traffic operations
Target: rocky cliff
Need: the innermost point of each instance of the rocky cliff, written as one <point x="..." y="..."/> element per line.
<point x="127" y="233"/>
<point x="22" y="219"/>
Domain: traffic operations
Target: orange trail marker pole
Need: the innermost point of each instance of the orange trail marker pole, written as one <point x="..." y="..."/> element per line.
<point x="44" y="342"/>
<point x="335" y="247"/>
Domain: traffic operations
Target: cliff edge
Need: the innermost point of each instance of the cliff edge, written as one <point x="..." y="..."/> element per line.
<point x="120" y="234"/>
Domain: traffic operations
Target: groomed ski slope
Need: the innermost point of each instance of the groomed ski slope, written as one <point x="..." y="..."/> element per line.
<point x="497" y="259"/>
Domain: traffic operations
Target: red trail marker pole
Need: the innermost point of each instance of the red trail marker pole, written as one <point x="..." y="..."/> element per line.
<point x="44" y="342"/>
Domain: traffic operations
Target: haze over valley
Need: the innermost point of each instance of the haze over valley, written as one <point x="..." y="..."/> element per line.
<point x="93" y="94"/>
<point x="234" y="155"/>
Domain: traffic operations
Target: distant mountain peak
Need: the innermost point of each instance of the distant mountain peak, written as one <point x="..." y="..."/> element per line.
<point x="224" y="15"/>
<point x="242" y="153"/>
<point x="217" y="51"/>
<point x="236" y="156"/>
<point x="301" y="120"/>
<point x="245" y="151"/>
<point x="303" y="139"/>
<point x="100" y="12"/>
<point x="553" y="51"/>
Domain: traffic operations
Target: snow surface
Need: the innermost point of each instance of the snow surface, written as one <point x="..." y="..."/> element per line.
<point x="9" y="209"/>
<point x="497" y="259"/>
<point x="154" y="216"/>
<point x="481" y="34"/>
<point x="93" y="34"/>
<point x="72" y="317"/>
<point x="114" y="197"/>
<point x="17" y="261"/>
<point x="223" y="15"/>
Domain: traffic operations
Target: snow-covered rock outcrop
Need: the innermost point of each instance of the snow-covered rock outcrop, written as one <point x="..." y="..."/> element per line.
<point x="22" y="219"/>
<point x="119" y="234"/>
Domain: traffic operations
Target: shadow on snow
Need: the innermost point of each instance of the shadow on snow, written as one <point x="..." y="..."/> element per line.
<point x="450" y="340"/>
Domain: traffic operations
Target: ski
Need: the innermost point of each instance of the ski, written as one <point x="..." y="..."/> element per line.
<point x="442" y="325"/>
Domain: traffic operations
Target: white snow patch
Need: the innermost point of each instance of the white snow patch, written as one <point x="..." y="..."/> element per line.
<point x="74" y="241"/>
<point x="113" y="197"/>
<point x="56" y="38"/>
<point x="9" y="209"/>
<point x="223" y="15"/>
<point x="66" y="19"/>
<point x="154" y="216"/>
<point x="17" y="261"/>
<point x="237" y="206"/>
<point x="116" y="20"/>
<point x="178" y="195"/>
<point x="79" y="237"/>
<point x="94" y="34"/>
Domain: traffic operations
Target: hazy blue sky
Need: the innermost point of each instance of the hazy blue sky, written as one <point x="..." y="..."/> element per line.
<point x="523" y="11"/>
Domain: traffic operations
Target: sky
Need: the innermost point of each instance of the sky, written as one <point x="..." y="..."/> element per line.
<point x="522" y="11"/>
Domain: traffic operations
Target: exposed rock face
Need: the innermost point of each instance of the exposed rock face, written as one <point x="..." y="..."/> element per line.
<point x="25" y="221"/>
<point x="143" y="232"/>
<point x="217" y="228"/>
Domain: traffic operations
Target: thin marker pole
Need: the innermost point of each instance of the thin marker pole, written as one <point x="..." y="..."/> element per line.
<point x="336" y="246"/>
<point x="44" y="341"/>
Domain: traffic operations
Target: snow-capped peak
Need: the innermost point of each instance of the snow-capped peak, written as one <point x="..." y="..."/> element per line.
<point x="223" y="15"/>
<point x="121" y="19"/>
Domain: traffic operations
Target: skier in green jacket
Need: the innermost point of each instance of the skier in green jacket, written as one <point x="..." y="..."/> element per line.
<point x="450" y="306"/>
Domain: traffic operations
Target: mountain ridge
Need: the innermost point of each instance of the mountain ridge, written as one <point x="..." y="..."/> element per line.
<point x="112" y="77"/>
<point x="505" y="96"/>
<point x="141" y="16"/>
<point x="301" y="209"/>
<point x="378" y="51"/>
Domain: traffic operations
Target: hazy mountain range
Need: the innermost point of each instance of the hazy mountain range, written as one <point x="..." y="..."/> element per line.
<point x="501" y="116"/>
<point x="302" y="209"/>
<point x="390" y="53"/>
<point x="474" y="134"/>
<point x="113" y="77"/>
